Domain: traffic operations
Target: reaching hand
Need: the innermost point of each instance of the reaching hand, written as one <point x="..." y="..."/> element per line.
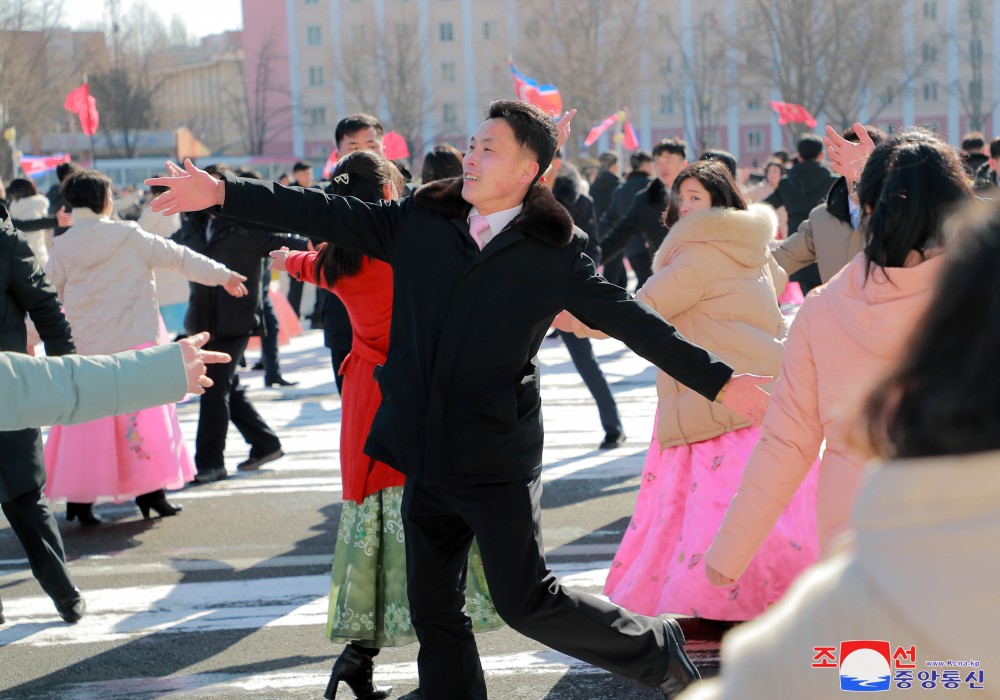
<point x="847" y="158"/>
<point x="716" y="579"/>
<point x="563" y="125"/>
<point x="64" y="218"/>
<point x="191" y="189"/>
<point x="195" y="360"/>
<point x="278" y="259"/>
<point x="234" y="285"/>
<point x="744" y="396"/>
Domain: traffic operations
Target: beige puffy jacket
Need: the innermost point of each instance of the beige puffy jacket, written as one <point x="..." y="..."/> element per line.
<point x="715" y="280"/>
<point x="103" y="272"/>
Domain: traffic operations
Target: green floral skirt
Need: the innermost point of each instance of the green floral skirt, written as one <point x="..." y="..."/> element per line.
<point x="368" y="603"/>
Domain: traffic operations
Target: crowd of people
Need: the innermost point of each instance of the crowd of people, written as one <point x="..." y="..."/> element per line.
<point x="435" y="296"/>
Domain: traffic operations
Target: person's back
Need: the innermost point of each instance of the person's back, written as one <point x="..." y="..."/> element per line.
<point x="806" y="183"/>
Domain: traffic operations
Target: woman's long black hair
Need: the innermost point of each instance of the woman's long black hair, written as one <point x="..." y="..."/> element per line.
<point x="942" y="400"/>
<point x="363" y="175"/>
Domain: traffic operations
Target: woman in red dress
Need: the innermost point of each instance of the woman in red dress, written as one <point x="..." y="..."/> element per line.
<point x="368" y="603"/>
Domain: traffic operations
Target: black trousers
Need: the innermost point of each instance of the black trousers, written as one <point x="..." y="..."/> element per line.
<point x="582" y="354"/>
<point x="224" y="401"/>
<point x="36" y="529"/>
<point x="295" y="294"/>
<point x="440" y="523"/>
<point x="269" y="341"/>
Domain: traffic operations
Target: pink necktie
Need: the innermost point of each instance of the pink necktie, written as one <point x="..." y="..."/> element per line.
<point x="477" y="226"/>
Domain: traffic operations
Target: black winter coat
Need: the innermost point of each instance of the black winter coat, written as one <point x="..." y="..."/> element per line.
<point x="602" y="189"/>
<point x="241" y="249"/>
<point x="24" y="289"/>
<point x="460" y="392"/>
<point x="642" y="219"/>
<point x="580" y="206"/>
<point x="805" y="186"/>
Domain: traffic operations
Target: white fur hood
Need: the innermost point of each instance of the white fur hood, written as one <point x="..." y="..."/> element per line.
<point x="744" y="236"/>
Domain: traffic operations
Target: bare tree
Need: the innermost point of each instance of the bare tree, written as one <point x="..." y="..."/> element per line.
<point x="28" y="102"/>
<point x="263" y="108"/>
<point x="390" y="69"/>
<point x="589" y="49"/>
<point x="125" y="92"/>
<point x="703" y="70"/>
<point x="827" y="55"/>
<point x="975" y="57"/>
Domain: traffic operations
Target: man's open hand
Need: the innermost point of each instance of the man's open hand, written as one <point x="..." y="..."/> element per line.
<point x="563" y="125"/>
<point x="191" y="189"/>
<point x="848" y="158"/>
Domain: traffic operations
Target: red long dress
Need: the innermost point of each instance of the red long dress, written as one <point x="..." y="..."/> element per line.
<point x="368" y="298"/>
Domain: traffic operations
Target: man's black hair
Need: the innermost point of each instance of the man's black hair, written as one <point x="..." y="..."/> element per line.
<point x="810" y="147"/>
<point x="608" y="160"/>
<point x="973" y="142"/>
<point x="724" y="157"/>
<point x="300" y="166"/>
<point x="638" y="157"/>
<point x="670" y="145"/>
<point x="995" y="148"/>
<point x="355" y="123"/>
<point x="533" y="129"/>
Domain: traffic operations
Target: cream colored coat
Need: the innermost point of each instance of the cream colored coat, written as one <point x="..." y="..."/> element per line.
<point x="922" y="570"/>
<point x="714" y="279"/>
<point x="171" y="288"/>
<point x="846" y="336"/>
<point x="103" y="272"/>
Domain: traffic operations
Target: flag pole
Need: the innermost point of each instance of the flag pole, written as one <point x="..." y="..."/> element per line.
<point x="93" y="147"/>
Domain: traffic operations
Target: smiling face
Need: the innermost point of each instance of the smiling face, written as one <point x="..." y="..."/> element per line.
<point x="497" y="171"/>
<point x="693" y="197"/>
<point x="366" y="139"/>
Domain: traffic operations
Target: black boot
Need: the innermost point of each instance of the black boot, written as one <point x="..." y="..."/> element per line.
<point x="71" y="609"/>
<point x="84" y="512"/>
<point x="156" y="500"/>
<point x="355" y="668"/>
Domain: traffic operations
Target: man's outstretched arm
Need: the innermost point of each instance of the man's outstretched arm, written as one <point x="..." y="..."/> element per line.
<point x="605" y="307"/>
<point x="368" y="228"/>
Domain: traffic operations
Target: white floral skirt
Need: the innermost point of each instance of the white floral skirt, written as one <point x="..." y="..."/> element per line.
<point x="368" y="602"/>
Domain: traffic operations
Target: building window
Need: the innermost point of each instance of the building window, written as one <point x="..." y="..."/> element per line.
<point x="755" y="140"/>
<point x="930" y="9"/>
<point x="317" y="116"/>
<point x="448" y="72"/>
<point x="447" y="31"/>
<point x="490" y="30"/>
<point x="664" y="23"/>
<point x="667" y="65"/>
<point x="666" y="104"/>
<point x="314" y="36"/>
<point x="976" y="49"/>
<point x="930" y="92"/>
<point x="753" y="104"/>
<point x="315" y="76"/>
<point x="359" y="37"/>
<point x="887" y="97"/>
<point x="449" y="114"/>
<point x="930" y="52"/>
<point x="975" y="90"/>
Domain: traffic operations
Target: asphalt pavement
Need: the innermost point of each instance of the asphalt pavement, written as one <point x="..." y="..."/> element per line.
<point x="228" y="599"/>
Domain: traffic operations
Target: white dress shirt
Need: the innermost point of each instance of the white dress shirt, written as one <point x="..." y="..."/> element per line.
<point x="497" y="221"/>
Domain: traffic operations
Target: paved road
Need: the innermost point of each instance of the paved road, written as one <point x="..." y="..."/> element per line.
<point x="229" y="598"/>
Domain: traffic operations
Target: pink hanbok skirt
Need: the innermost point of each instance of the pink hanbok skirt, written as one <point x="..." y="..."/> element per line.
<point x="685" y="491"/>
<point x="117" y="458"/>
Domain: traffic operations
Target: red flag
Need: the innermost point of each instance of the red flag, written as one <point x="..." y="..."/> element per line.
<point x="629" y="138"/>
<point x="395" y="146"/>
<point x="84" y="105"/>
<point x="595" y="132"/>
<point x="331" y="163"/>
<point x="791" y="113"/>
<point x="545" y="97"/>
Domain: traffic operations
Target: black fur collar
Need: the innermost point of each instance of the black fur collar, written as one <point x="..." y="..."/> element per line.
<point x="542" y="218"/>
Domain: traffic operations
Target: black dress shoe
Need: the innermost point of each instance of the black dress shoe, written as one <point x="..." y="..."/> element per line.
<point x="157" y="501"/>
<point x="72" y="608"/>
<point x="355" y="669"/>
<point x="280" y="381"/>
<point x="210" y="475"/>
<point x="254" y="463"/>
<point x="258" y="366"/>
<point x="84" y="512"/>
<point x="612" y="441"/>
<point x="681" y="672"/>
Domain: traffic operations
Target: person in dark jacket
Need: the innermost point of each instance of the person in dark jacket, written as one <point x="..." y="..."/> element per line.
<point x="605" y="183"/>
<point x="644" y="217"/>
<point x="799" y="191"/>
<point x="636" y="252"/>
<point x="55" y="196"/>
<point x="481" y="266"/>
<point x="567" y="188"/>
<point x="986" y="182"/>
<point x="24" y="289"/>
<point x="231" y="321"/>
